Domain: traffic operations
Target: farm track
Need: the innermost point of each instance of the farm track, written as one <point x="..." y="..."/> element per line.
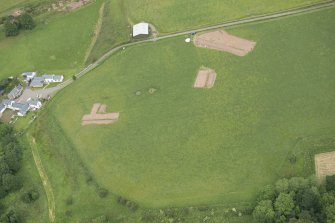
<point x="45" y="180"/>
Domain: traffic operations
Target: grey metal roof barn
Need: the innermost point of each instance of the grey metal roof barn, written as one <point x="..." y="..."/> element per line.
<point x="16" y="92"/>
<point x="37" y="82"/>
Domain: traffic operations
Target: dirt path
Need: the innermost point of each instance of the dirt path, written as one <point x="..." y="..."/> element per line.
<point x="96" y="32"/>
<point x="44" y="178"/>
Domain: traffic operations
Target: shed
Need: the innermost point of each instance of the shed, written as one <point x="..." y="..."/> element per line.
<point x="141" y="29"/>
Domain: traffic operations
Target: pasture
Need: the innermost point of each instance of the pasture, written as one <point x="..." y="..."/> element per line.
<point x="183" y="146"/>
<point x="174" y="15"/>
<point x="57" y="44"/>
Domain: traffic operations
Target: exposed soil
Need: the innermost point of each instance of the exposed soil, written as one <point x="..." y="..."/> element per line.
<point x="325" y="164"/>
<point x="98" y="115"/>
<point x="222" y="41"/>
<point x="205" y="78"/>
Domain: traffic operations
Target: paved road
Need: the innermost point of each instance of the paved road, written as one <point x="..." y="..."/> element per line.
<point x="290" y="12"/>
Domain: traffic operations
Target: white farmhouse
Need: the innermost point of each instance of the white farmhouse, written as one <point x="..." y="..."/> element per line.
<point x="52" y="78"/>
<point x="29" y="75"/>
<point x="141" y="29"/>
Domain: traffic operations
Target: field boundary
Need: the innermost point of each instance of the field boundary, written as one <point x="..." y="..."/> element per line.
<point x="96" y="32"/>
<point x="44" y="178"/>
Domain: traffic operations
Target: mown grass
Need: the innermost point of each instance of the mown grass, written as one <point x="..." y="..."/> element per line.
<point x="176" y="15"/>
<point x="183" y="146"/>
<point x="56" y="45"/>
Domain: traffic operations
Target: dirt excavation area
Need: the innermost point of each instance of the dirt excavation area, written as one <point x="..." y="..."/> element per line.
<point x="222" y="41"/>
<point x="98" y="115"/>
<point x="205" y="78"/>
<point x="325" y="164"/>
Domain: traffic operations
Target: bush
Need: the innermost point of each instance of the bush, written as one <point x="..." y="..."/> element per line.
<point x="26" y="22"/>
<point x="11" y="28"/>
<point x="330" y="183"/>
<point x="102" y="192"/>
<point x="30" y="196"/>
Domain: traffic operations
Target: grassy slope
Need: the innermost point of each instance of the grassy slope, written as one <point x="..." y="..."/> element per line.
<point x="114" y="30"/>
<point x="176" y="15"/>
<point x="184" y="146"/>
<point x="57" y="44"/>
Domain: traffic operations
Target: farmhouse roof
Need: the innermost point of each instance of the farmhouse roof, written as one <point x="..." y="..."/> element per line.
<point x="2" y="107"/>
<point x="16" y="91"/>
<point x="37" y="82"/>
<point x="141" y="29"/>
<point x="53" y="77"/>
<point x="29" y="75"/>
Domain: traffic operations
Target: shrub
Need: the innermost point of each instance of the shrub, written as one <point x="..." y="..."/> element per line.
<point x="102" y="192"/>
<point x="30" y="196"/>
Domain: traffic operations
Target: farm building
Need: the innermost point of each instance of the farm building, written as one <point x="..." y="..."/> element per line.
<point x="37" y="82"/>
<point x="16" y="92"/>
<point x="21" y="108"/>
<point x="52" y="78"/>
<point x="141" y="29"/>
<point x="28" y="75"/>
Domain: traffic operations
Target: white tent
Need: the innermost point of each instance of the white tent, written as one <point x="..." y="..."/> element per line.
<point x="141" y="29"/>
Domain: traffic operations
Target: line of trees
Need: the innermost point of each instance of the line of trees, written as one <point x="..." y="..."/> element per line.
<point x="10" y="163"/>
<point x="297" y="200"/>
<point x="13" y="25"/>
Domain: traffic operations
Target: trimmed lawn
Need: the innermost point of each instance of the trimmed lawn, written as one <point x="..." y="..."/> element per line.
<point x="176" y="15"/>
<point x="183" y="146"/>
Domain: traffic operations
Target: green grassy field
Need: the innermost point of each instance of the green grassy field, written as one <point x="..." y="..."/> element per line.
<point x="175" y="15"/>
<point x="183" y="146"/>
<point x="57" y="45"/>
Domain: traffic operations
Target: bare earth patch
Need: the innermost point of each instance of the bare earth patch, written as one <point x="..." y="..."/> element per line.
<point x="205" y="78"/>
<point x="98" y="115"/>
<point x="325" y="164"/>
<point x="222" y="41"/>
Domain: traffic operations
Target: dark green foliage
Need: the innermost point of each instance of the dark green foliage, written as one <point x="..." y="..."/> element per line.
<point x="26" y="22"/>
<point x="8" y="84"/>
<point x="10" y="217"/>
<point x="30" y="196"/>
<point x="284" y="204"/>
<point x="10" y="163"/>
<point x="264" y="212"/>
<point x="330" y="183"/>
<point x="296" y="200"/>
<point x="11" y="28"/>
<point x="128" y="203"/>
<point x="102" y="192"/>
<point x="14" y="24"/>
<point x="74" y="77"/>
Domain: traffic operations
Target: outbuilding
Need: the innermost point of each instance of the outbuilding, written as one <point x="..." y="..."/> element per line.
<point x="141" y="29"/>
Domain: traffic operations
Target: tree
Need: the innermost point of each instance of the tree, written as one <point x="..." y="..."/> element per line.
<point x="264" y="212"/>
<point x="311" y="199"/>
<point x="330" y="183"/>
<point x="26" y="21"/>
<point x="11" y="28"/>
<point x="330" y="213"/>
<point x="282" y="185"/>
<point x="267" y="193"/>
<point x="11" y="182"/>
<point x="284" y="204"/>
